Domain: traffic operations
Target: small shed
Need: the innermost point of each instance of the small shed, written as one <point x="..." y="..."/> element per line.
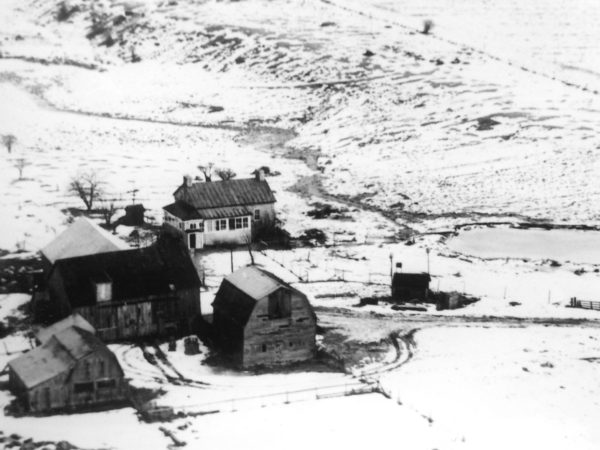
<point x="410" y="287"/>
<point x="260" y="320"/>
<point x="71" y="370"/>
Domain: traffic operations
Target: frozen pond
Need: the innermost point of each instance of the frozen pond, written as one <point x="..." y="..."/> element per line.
<point x="560" y="245"/>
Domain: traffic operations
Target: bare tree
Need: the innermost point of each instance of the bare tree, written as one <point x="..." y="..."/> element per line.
<point x="427" y="26"/>
<point x="87" y="187"/>
<point x="9" y="140"/>
<point x="108" y="210"/>
<point x="226" y="174"/>
<point x="20" y="164"/>
<point x="207" y="171"/>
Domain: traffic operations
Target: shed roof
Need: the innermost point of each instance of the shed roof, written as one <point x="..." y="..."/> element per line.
<point x="160" y="269"/>
<point x="218" y="194"/>
<point x="74" y="320"/>
<point x="58" y="355"/>
<point x="82" y="237"/>
<point x="413" y="280"/>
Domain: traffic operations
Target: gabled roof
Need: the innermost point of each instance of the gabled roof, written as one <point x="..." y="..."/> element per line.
<point x="413" y="280"/>
<point x="160" y="269"/>
<point x="58" y="355"/>
<point x="218" y="194"/>
<point x="255" y="283"/>
<point x="74" y="320"/>
<point x="83" y="237"/>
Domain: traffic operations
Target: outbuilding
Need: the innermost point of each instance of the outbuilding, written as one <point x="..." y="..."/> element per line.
<point x="410" y="287"/>
<point x="73" y="369"/>
<point x="260" y="320"/>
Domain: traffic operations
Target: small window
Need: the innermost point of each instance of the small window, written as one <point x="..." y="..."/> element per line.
<point x="81" y="388"/>
<point x="107" y="384"/>
<point x="192" y="226"/>
<point x="238" y="223"/>
<point x="245" y="222"/>
<point x="264" y="348"/>
<point x="201" y="227"/>
<point x="257" y="214"/>
<point x="102" y="367"/>
<point x="221" y="224"/>
<point x="104" y="292"/>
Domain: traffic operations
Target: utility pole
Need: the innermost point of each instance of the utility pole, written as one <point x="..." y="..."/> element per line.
<point x="231" y="254"/>
<point x="427" y="249"/>
<point x="391" y="265"/>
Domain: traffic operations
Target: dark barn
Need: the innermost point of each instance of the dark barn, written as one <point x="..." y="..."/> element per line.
<point x="262" y="321"/>
<point x="410" y="286"/>
<point x="153" y="291"/>
<point x="72" y="369"/>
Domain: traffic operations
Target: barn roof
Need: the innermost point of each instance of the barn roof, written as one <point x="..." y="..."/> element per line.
<point x="412" y="280"/>
<point x="83" y="237"/>
<point x="74" y="320"/>
<point x="256" y="283"/>
<point x="218" y="194"/>
<point x="160" y="269"/>
<point x="58" y="355"/>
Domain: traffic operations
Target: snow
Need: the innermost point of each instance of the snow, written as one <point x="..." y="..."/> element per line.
<point x="532" y="383"/>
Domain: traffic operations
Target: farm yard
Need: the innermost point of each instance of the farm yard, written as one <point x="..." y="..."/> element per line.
<point x="467" y="152"/>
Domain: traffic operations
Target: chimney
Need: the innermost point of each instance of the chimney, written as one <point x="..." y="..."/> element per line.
<point x="260" y="175"/>
<point x="187" y="180"/>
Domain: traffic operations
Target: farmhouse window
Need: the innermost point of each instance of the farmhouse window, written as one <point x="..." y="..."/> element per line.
<point x="192" y="226"/>
<point x="238" y="223"/>
<point x="80" y="388"/>
<point x="257" y="214"/>
<point x="107" y="384"/>
<point x="221" y="224"/>
<point x="232" y="224"/>
<point x="264" y="348"/>
<point x="245" y="222"/>
<point x="280" y="305"/>
<point x="201" y="227"/>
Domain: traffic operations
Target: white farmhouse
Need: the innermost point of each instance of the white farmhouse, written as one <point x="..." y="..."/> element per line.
<point x="211" y="213"/>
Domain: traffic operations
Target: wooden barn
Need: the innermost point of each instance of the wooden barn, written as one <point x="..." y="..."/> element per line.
<point x="215" y="213"/>
<point x="82" y="237"/>
<point x="152" y="291"/>
<point x="72" y="369"/>
<point x="260" y="320"/>
<point x="408" y="287"/>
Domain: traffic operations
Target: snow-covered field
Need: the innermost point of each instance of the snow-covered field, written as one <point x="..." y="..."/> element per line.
<point x="490" y="118"/>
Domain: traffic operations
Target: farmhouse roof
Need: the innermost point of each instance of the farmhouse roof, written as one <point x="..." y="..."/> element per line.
<point x="160" y="269"/>
<point x="413" y="280"/>
<point x="58" y="355"/>
<point x="218" y="194"/>
<point x="186" y="212"/>
<point x="82" y="237"/>
<point x="74" y="320"/>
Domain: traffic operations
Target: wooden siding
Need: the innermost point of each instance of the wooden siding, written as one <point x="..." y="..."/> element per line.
<point x="99" y="371"/>
<point x="275" y="341"/>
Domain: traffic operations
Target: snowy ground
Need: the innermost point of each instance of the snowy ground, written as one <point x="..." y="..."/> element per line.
<point x="460" y="126"/>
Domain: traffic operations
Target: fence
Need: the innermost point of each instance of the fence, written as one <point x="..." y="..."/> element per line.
<point x="585" y="304"/>
<point x="274" y="399"/>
